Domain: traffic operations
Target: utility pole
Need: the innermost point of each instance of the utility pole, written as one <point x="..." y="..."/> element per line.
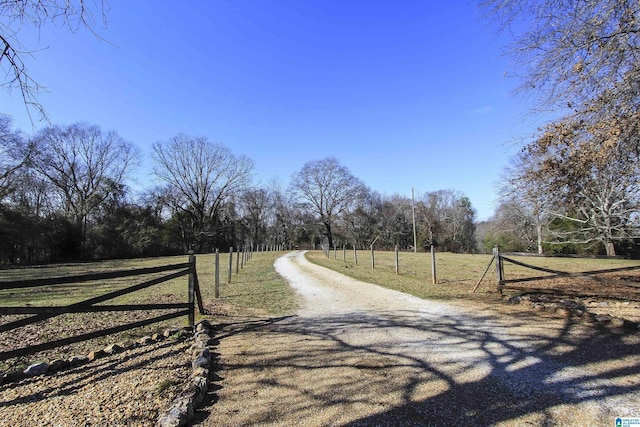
<point x="413" y="211"/>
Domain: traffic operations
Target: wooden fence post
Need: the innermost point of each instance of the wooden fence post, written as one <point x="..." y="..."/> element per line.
<point x="373" y="259"/>
<point x="335" y="252"/>
<point x="355" y="254"/>
<point x="344" y="252"/>
<point x="499" y="269"/>
<point x="217" y="286"/>
<point x="238" y="259"/>
<point x="397" y="261"/>
<point x="434" y="277"/>
<point x="192" y="285"/>
<point x="230" y="264"/>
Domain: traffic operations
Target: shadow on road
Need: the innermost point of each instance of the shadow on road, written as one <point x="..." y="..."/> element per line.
<point x="408" y="368"/>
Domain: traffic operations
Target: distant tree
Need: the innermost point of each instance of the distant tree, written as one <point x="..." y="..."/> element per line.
<point x="201" y="176"/>
<point x="255" y="205"/>
<point x="18" y="14"/>
<point x="447" y="218"/>
<point x="363" y="220"/>
<point x="525" y="198"/>
<point x="513" y="227"/>
<point x="327" y="189"/>
<point x="14" y="154"/>
<point x="84" y="165"/>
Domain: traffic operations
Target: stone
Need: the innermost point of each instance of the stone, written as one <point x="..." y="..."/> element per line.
<point x="145" y="340"/>
<point x="157" y="337"/>
<point x="113" y="349"/>
<point x="603" y="318"/>
<point x="169" y="421"/>
<point x="564" y="312"/>
<point x="77" y="360"/>
<point x="202" y="359"/>
<point x="57" y="364"/>
<point x="36" y="369"/>
<point x="617" y="322"/>
<point x="96" y="354"/>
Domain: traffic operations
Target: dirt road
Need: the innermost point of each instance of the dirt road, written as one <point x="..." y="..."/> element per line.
<point x="358" y="354"/>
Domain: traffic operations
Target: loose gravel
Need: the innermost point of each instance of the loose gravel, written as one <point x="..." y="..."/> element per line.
<point x="126" y="389"/>
<point x="358" y="354"/>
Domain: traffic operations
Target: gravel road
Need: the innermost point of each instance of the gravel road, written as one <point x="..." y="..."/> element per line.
<point x="358" y="354"/>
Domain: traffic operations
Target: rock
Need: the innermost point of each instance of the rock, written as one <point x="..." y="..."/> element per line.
<point x="113" y="349"/>
<point x="603" y="318"/>
<point x="199" y="372"/>
<point x="203" y="359"/>
<point x="170" y="332"/>
<point x="203" y="326"/>
<point x="157" y="337"/>
<point x="145" y="340"/>
<point x="96" y="354"/>
<point x="617" y="322"/>
<point x="57" y="364"/>
<point x="200" y="387"/>
<point x="36" y="369"/>
<point x="77" y="360"/>
<point x="515" y="300"/>
<point x="168" y="421"/>
<point x="564" y="312"/>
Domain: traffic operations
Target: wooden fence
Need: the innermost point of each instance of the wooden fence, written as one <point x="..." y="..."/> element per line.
<point x="89" y="305"/>
<point x="499" y="259"/>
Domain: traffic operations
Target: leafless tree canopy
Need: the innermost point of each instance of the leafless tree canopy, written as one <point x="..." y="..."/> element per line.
<point x="327" y="188"/>
<point x="573" y="52"/>
<point x="201" y="176"/>
<point x="17" y="14"/>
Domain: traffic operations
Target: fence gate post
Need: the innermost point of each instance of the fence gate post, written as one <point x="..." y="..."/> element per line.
<point x="499" y="269"/>
<point x="192" y="283"/>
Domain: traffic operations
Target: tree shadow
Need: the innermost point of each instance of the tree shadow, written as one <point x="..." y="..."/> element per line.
<point x="417" y="368"/>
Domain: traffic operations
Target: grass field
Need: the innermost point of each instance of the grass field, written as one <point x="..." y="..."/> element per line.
<point x="457" y="274"/>
<point x="256" y="287"/>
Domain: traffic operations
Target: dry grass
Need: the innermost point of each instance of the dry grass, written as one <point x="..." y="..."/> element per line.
<point x="457" y="274"/>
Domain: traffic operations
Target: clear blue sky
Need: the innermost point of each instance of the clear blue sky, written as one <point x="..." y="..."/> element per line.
<point x="404" y="93"/>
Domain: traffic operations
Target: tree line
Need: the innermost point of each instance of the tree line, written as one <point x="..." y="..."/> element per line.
<point x="65" y="195"/>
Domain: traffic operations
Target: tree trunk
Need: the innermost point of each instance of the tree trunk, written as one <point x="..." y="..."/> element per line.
<point x="611" y="249"/>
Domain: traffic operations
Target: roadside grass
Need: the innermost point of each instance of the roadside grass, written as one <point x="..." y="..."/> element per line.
<point x="457" y="274"/>
<point x="256" y="288"/>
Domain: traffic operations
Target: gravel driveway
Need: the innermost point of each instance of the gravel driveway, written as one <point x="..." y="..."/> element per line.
<point x="358" y="354"/>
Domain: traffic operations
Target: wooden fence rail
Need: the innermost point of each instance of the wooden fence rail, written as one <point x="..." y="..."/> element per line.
<point x="88" y="305"/>
<point x="503" y="283"/>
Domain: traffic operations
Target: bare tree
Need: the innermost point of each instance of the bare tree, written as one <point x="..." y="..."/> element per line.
<point x="572" y="52"/>
<point x="17" y="14"/>
<point x="327" y="189"/>
<point x="84" y="164"/>
<point x="14" y="154"/>
<point x="525" y="197"/>
<point x="201" y="175"/>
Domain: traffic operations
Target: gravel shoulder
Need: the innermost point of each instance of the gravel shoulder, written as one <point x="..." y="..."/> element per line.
<point x="358" y="354"/>
<point x="132" y="388"/>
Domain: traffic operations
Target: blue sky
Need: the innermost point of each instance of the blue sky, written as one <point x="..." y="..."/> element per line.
<point x="406" y="94"/>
